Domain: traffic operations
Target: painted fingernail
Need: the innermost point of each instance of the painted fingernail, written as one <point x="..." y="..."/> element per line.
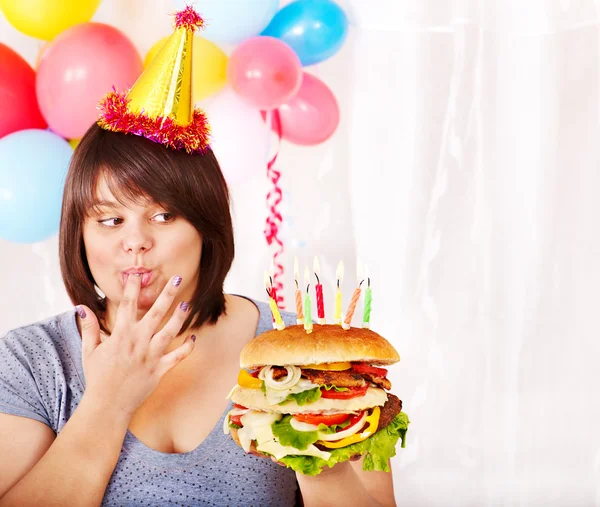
<point x="184" y="306"/>
<point x="177" y="281"/>
<point x="80" y="311"/>
<point x="193" y="338"/>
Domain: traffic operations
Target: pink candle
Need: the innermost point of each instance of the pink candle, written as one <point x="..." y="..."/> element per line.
<point x="352" y="307"/>
<point x="319" y="293"/>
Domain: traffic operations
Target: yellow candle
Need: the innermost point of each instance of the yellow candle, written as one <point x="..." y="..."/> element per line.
<point x="277" y="320"/>
<point x="339" y="274"/>
<point x="298" y="294"/>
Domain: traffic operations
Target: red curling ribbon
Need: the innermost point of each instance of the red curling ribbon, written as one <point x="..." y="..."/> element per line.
<point x="275" y="219"/>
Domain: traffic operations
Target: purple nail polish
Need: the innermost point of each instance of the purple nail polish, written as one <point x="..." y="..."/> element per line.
<point x="193" y="338"/>
<point x="184" y="306"/>
<point x="80" y="311"/>
<point x="177" y="281"/>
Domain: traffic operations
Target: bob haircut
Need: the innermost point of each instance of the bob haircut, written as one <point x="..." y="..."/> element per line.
<point x="141" y="171"/>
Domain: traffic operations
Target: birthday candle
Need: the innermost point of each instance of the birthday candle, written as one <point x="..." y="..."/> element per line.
<point x="308" y="326"/>
<point x="277" y="320"/>
<point x="367" y="305"/>
<point x="298" y="294"/>
<point x="339" y="274"/>
<point x="353" y="301"/>
<point x="319" y="293"/>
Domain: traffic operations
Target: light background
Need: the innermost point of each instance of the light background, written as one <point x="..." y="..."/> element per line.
<point x="465" y="174"/>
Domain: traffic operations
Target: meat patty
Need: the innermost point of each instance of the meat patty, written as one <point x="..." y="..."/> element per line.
<point x="380" y="381"/>
<point x="392" y="407"/>
<point x="347" y="378"/>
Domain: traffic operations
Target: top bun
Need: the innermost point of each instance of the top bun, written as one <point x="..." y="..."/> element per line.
<point x="327" y="343"/>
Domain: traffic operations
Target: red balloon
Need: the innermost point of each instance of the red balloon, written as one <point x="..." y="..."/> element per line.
<point x="77" y="69"/>
<point x="311" y="116"/>
<point x="18" y="103"/>
<point x="264" y="71"/>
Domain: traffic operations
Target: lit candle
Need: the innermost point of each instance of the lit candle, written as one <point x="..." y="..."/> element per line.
<point x="367" y="305"/>
<point x="277" y="320"/>
<point x="353" y="301"/>
<point x="339" y="274"/>
<point x="298" y="294"/>
<point x="308" y="326"/>
<point x="319" y="293"/>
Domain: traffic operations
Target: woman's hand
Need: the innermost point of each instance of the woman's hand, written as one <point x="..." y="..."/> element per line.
<point x="121" y="370"/>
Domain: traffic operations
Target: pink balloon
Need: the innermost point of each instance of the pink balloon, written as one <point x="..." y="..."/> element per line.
<point x="311" y="116"/>
<point x="265" y="71"/>
<point x="77" y="69"/>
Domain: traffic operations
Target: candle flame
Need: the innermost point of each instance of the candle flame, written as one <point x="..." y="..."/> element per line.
<point x="316" y="267"/>
<point x="359" y="272"/>
<point x="296" y="271"/>
<point x="272" y="269"/>
<point x="306" y="276"/>
<point x="267" y="281"/>
<point x="339" y="272"/>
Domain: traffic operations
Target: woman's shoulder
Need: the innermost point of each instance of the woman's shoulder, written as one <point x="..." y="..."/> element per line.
<point x="41" y="334"/>
<point x="265" y="321"/>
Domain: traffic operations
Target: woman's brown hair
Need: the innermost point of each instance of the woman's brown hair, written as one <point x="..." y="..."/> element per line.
<point x="137" y="169"/>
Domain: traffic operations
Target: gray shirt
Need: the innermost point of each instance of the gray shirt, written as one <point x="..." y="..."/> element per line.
<point x="41" y="377"/>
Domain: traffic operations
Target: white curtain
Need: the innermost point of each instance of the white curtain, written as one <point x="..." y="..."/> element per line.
<point x="465" y="175"/>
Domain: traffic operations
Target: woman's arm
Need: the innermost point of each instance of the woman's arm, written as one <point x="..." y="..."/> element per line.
<point x="347" y="484"/>
<point x="78" y="465"/>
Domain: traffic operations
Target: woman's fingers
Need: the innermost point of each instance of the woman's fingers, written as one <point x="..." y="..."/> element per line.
<point x="90" y="330"/>
<point x="161" y="306"/>
<point x="161" y="340"/>
<point x="174" y="357"/>
<point x="127" y="310"/>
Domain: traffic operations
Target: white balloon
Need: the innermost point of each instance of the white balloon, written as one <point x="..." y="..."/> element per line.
<point x="239" y="136"/>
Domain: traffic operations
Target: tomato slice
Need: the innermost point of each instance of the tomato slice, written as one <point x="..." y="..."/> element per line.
<point x="354" y="419"/>
<point x="236" y="419"/>
<point x="365" y="368"/>
<point x="327" y="419"/>
<point x="241" y="407"/>
<point x="254" y="373"/>
<point x="352" y="392"/>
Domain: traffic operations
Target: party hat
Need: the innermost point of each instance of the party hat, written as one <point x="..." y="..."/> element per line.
<point x="159" y="105"/>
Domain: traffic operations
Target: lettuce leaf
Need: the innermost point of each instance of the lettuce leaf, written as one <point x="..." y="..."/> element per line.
<point x="304" y="397"/>
<point x="333" y="428"/>
<point x="377" y="450"/>
<point x="287" y="435"/>
<point x="337" y="389"/>
<point x="233" y="425"/>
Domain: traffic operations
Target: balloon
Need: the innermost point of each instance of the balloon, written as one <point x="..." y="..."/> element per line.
<point x="315" y="29"/>
<point x="33" y="167"/>
<point x="45" y="19"/>
<point x="311" y="116"/>
<point x="77" y="69"/>
<point x="18" y="103"/>
<point x="264" y="71"/>
<point x="209" y="67"/>
<point x="232" y="21"/>
<point x="239" y="136"/>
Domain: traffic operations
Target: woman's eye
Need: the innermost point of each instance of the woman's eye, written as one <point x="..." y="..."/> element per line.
<point x="167" y="217"/>
<point x="108" y="223"/>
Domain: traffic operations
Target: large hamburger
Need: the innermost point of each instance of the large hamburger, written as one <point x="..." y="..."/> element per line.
<point x="310" y="400"/>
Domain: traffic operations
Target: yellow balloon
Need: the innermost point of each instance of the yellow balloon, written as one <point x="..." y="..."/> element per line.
<point x="74" y="142"/>
<point x="209" y="67"/>
<point x="44" y="19"/>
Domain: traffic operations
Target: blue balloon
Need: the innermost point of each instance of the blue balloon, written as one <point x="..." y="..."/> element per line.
<point x="315" y="29"/>
<point x="232" y="21"/>
<point x="33" y="168"/>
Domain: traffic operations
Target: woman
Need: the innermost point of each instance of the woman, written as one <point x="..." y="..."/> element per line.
<point x="138" y="406"/>
<point x="122" y="401"/>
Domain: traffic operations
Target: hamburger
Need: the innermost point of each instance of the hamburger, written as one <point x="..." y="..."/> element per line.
<point x="310" y="400"/>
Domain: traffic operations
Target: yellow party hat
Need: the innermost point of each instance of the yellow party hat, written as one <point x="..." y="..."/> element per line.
<point x="159" y="105"/>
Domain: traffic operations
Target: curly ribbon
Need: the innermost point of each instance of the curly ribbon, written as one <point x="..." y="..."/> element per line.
<point x="275" y="219"/>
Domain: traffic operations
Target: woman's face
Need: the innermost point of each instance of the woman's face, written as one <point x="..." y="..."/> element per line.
<point x="139" y="238"/>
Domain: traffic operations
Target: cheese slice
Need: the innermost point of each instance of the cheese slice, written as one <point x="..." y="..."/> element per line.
<point x="257" y="426"/>
<point x="256" y="399"/>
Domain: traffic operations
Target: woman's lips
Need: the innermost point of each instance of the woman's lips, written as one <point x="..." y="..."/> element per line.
<point x="146" y="278"/>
